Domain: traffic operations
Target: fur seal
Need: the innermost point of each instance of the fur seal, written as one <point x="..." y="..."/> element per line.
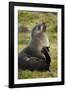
<point x="36" y="55"/>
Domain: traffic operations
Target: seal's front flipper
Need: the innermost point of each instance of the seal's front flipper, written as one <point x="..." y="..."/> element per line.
<point x="45" y="51"/>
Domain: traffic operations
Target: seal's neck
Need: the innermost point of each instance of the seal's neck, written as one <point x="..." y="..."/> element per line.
<point x="40" y="41"/>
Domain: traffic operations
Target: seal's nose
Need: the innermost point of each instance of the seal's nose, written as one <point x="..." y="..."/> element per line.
<point x="44" y="27"/>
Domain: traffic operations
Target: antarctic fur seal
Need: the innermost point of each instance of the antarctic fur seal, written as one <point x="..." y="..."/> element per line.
<point x="36" y="55"/>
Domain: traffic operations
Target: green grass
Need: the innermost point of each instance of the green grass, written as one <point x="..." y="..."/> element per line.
<point x="24" y="39"/>
<point x="25" y="74"/>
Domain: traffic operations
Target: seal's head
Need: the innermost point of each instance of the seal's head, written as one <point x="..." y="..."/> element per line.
<point x="39" y="29"/>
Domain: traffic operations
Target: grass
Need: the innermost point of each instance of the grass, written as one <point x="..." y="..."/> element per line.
<point x="24" y="39"/>
<point x="25" y="74"/>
